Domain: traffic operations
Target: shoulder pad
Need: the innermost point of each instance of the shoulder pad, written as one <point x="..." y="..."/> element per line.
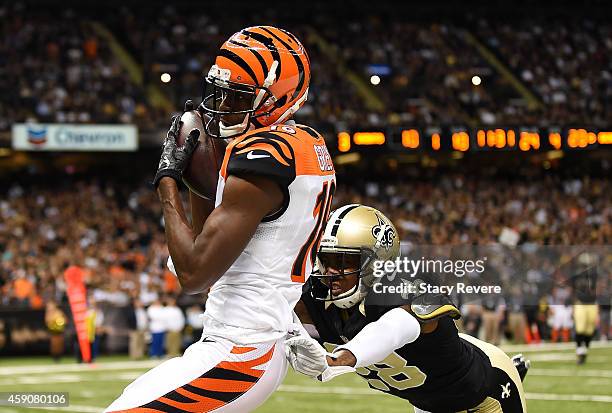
<point x="263" y="152"/>
<point x="431" y="306"/>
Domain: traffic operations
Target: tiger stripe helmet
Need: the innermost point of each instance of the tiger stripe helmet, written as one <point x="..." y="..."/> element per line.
<point x="261" y="72"/>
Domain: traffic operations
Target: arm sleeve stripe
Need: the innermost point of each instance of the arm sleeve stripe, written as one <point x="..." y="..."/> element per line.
<point x="247" y="141"/>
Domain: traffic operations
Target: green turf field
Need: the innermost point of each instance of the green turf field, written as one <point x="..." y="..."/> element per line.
<point x="554" y="384"/>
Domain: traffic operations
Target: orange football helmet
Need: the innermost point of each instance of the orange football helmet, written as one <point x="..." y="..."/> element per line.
<point x="260" y="77"/>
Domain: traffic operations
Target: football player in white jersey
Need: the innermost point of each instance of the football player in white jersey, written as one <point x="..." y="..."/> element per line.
<point x="257" y="246"/>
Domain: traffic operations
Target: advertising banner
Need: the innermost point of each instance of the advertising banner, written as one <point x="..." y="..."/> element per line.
<point x="69" y="137"/>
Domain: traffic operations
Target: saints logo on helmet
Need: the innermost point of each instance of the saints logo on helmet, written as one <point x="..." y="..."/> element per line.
<point x="383" y="232"/>
<point x="356" y="236"/>
<point x="260" y="77"/>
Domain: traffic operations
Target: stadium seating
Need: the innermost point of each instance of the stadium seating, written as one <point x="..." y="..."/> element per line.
<point x="56" y="69"/>
<point x="65" y="72"/>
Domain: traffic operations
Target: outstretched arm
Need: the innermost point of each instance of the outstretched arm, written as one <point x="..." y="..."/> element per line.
<point x="397" y="326"/>
<point x="403" y="329"/>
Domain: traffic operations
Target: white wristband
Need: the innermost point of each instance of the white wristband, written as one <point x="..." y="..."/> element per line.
<point x="377" y="340"/>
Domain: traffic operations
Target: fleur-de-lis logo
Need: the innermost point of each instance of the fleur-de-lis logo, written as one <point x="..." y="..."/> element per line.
<point x="505" y="390"/>
<point x="387" y="236"/>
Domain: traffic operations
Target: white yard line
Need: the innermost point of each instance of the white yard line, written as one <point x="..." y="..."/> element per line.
<point x="128" y="364"/>
<point x="517" y="348"/>
<point x="58" y="368"/>
<point x="578" y="372"/>
<point x="132" y="365"/>
<point x="76" y="408"/>
<point x="132" y="375"/>
<point x="367" y="392"/>
<point x="557" y="356"/>
<point x="570" y="397"/>
<point x="70" y="378"/>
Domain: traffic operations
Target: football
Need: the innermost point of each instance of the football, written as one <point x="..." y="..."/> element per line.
<point x="203" y="171"/>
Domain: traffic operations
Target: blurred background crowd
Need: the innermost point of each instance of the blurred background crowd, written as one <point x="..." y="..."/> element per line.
<point x="69" y="69"/>
<point x="113" y="232"/>
<point x="83" y="66"/>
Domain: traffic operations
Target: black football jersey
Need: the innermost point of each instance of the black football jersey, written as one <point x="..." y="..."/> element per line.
<point x="585" y="286"/>
<point x="439" y="372"/>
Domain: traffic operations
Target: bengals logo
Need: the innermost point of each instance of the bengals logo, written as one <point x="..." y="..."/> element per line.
<point x="386" y="240"/>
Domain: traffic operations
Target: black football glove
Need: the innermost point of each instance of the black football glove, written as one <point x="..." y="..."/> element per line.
<point x="174" y="160"/>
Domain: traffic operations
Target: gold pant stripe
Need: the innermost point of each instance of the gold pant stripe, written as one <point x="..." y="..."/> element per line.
<point x="500" y="360"/>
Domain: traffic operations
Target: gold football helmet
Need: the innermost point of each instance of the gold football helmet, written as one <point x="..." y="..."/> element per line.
<point x="356" y="236"/>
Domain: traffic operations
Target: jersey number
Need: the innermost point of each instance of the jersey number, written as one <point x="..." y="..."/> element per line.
<point x="392" y="372"/>
<point x="310" y="247"/>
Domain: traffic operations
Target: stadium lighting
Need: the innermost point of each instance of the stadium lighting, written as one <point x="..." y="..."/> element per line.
<point x="344" y="142"/>
<point x="369" y="138"/>
<point x="165" y="77"/>
<point x="476" y="80"/>
<point x="374" y="79"/>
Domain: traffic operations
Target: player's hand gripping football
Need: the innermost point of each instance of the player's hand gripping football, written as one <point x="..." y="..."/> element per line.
<point x="174" y="159"/>
<point x="308" y="357"/>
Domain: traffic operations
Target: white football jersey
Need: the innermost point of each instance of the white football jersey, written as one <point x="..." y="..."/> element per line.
<point x="253" y="301"/>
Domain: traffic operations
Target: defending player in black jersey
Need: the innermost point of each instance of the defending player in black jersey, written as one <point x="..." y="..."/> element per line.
<point x="411" y="350"/>
<point x="585" y="309"/>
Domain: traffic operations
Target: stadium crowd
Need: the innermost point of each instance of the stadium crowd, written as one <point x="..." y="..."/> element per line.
<point x="430" y="69"/>
<point x="567" y="63"/>
<point x="457" y="209"/>
<point x="114" y="232"/>
<point x="55" y="68"/>
<point x="61" y="70"/>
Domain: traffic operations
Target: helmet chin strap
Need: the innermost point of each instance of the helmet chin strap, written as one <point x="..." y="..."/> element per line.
<point x="353" y="299"/>
<point x="233" y="130"/>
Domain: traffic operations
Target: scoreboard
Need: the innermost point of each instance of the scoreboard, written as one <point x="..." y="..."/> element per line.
<point x="521" y="139"/>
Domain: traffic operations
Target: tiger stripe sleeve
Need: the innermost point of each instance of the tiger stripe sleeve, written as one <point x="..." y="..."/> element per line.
<point x="265" y="153"/>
